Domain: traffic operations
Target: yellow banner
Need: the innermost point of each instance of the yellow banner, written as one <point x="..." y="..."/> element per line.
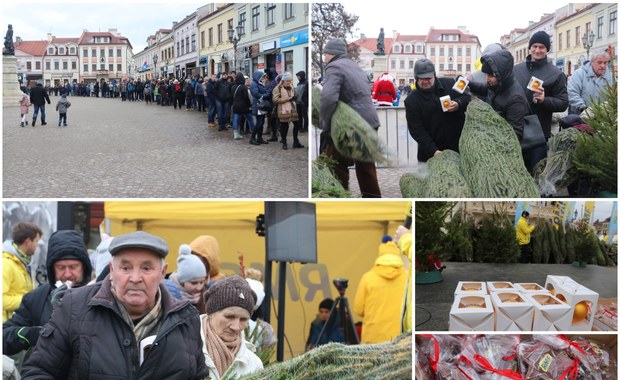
<point x="588" y="211"/>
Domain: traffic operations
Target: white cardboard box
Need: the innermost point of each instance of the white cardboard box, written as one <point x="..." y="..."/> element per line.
<point x="571" y="292"/>
<point x="513" y="312"/>
<point x="471" y="288"/>
<point x="550" y="314"/>
<point x="471" y="313"/>
<point x="500" y="286"/>
<point x="530" y="288"/>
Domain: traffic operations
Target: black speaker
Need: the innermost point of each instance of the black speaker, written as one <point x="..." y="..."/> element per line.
<point x="74" y="216"/>
<point x="290" y="230"/>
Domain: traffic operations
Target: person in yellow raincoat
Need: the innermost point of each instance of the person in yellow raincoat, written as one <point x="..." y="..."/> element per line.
<point x="403" y="239"/>
<point x="380" y="293"/>
<point x="524" y="233"/>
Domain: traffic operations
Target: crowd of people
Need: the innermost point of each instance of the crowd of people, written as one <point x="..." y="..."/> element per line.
<point x="155" y="324"/>
<point x="232" y="100"/>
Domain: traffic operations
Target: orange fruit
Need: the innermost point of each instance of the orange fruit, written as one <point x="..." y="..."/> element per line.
<point x="461" y="85"/>
<point x="446" y="103"/>
<point x="536" y="84"/>
<point x="581" y="311"/>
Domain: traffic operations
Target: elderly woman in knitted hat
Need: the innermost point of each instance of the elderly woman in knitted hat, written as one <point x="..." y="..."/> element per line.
<point x="284" y="97"/>
<point x="229" y="304"/>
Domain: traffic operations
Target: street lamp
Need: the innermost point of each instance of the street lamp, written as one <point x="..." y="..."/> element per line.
<point x="234" y="39"/>
<point x="155" y="57"/>
<point x="588" y="40"/>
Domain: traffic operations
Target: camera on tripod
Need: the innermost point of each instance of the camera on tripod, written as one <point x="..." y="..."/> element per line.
<point x="341" y="284"/>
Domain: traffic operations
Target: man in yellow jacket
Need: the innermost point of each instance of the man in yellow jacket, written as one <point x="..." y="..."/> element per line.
<point x="16" y="254"/>
<point x="524" y="233"/>
<point x="403" y="239"/>
<point x="379" y="296"/>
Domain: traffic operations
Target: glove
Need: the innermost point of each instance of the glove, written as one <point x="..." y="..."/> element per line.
<point x="29" y="335"/>
<point x="57" y="295"/>
<point x="325" y="141"/>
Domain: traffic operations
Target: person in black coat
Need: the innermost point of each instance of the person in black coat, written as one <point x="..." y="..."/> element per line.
<point x="38" y="98"/>
<point x="433" y="129"/>
<point x="241" y="106"/>
<point x="67" y="260"/>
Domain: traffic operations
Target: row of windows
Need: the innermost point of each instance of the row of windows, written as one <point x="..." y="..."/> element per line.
<point x="419" y="49"/>
<point x="119" y="67"/>
<point x="102" y="52"/>
<point x="65" y="66"/>
<point x="568" y="38"/>
<point x="442" y="66"/>
<point x="61" y="50"/>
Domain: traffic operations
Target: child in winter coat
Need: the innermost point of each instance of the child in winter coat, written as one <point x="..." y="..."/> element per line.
<point x="61" y="107"/>
<point x="24" y="105"/>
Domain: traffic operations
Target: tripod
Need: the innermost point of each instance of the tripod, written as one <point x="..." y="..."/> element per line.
<point x="341" y="314"/>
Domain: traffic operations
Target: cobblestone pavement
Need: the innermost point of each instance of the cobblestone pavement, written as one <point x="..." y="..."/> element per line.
<point x="115" y="149"/>
<point x="388" y="182"/>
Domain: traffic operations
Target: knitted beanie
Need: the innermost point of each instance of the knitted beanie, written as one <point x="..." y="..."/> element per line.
<point x="230" y="291"/>
<point x="335" y="46"/>
<point x="189" y="266"/>
<point x="540" y="37"/>
<point x="287" y="76"/>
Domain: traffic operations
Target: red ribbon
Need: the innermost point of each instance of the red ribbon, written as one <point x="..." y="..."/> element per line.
<point x="512" y="357"/>
<point x="484" y="363"/>
<point x="434" y="360"/>
<point x="464" y="359"/>
<point x="571" y="371"/>
<point x="577" y="345"/>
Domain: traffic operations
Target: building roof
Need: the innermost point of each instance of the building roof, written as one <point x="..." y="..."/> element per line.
<point x="371" y="43"/>
<point x="57" y="40"/>
<point x="410" y="38"/>
<point x="88" y="38"/>
<point x="34" y="48"/>
<point x="434" y="35"/>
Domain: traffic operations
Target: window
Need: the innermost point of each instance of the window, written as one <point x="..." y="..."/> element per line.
<point x="271" y="13"/>
<point x="61" y="51"/>
<point x="613" y="19"/>
<point x="202" y="39"/>
<point x="187" y="44"/>
<point x="119" y="67"/>
<point x="459" y="51"/>
<point x="442" y="67"/>
<point x="65" y="65"/>
<point x="102" y="66"/>
<point x="468" y="52"/>
<point x="210" y="36"/>
<point x="50" y="51"/>
<point x="72" y="50"/>
<point x="242" y="23"/>
<point x="432" y="51"/>
<point x="28" y="65"/>
<point x="450" y="51"/>
<point x="410" y="64"/>
<point x="102" y="52"/>
<point x="459" y="67"/>
<point x="393" y="64"/>
<point x="219" y="33"/>
<point x="110" y="52"/>
<point x="396" y="48"/>
<point x="255" y="18"/>
<point x="118" y="52"/>
<point x="559" y="41"/>
<point x="289" y="11"/>
<point x="402" y="63"/>
<point x="85" y="68"/>
<point x="56" y="65"/>
<point x="568" y="39"/>
<point x="288" y="61"/>
<point x="577" y="36"/>
<point x="94" y="52"/>
<point x="94" y="67"/>
<point x="85" y="53"/>
<point x="179" y="46"/>
<point x="407" y="48"/>
<point x="73" y="65"/>
<point x="418" y="49"/>
<point x="599" y="27"/>
<point x="111" y="67"/>
<point x="442" y="51"/>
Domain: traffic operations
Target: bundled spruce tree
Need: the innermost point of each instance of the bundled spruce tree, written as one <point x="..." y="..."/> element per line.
<point x="562" y="243"/>
<point x="554" y="246"/>
<point x="496" y="239"/>
<point x="596" y="156"/>
<point x="571" y="256"/>
<point x="538" y="236"/>
<point x="546" y="246"/>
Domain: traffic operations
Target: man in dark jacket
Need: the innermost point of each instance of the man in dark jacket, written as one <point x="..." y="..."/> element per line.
<point x="222" y="101"/>
<point x="551" y="97"/>
<point x="125" y="327"/>
<point x="38" y="97"/>
<point x="433" y="129"/>
<point x="67" y="260"/>
<point x="346" y="82"/>
<point x="302" y="100"/>
<point x="504" y="93"/>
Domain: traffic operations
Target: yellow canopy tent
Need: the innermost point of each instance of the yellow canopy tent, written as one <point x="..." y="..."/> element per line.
<point x="348" y="237"/>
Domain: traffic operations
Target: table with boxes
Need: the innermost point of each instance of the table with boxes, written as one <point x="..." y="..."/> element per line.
<point x="561" y="305"/>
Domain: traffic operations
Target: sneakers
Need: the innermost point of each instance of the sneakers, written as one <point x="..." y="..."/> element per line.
<point x="26" y="122"/>
<point x="284" y="146"/>
<point x="211" y="125"/>
<point x="64" y="125"/>
<point x="237" y="135"/>
<point x="254" y="142"/>
<point x="22" y="124"/>
<point x="43" y="123"/>
<point x="33" y="121"/>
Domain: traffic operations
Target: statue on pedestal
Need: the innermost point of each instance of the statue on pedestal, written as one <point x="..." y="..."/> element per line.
<point x="9" y="48"/>
<point x="380" y="44"/>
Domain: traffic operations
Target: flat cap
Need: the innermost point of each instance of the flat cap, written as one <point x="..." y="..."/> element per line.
<point x="139" y="239"/>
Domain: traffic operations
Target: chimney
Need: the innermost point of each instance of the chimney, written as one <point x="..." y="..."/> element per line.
<point x="362" y="37"/>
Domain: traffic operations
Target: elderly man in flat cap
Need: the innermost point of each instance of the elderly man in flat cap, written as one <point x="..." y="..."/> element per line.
<point x="125" y="327"/>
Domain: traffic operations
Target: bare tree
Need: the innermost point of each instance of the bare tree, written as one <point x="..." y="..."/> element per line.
<point x="330" y="20"/>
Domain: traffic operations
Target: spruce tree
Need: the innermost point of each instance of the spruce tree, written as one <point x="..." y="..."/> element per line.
<point x="430" y="219"/>
<point x="497" y="241"/>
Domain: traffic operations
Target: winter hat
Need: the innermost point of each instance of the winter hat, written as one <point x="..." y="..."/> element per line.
<point x="67" y="245"/>
<point x="259" y="290"/>
<point x="287" y="76"/>
<point x="139" y="239"/>
<point x="424" y="68"/>
<point x="228" y="292"/>
<point x="301" y="75"/>
<point x="387" y="247"/>
<point x="336" y="46"/>
<point x="540" y="37"/>
<point x="327" y="303"/>
<point x="189" y="266"/>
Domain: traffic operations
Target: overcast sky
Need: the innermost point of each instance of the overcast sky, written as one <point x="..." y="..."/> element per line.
<point x="489" y="20"/>
<point x="136" y="20"/>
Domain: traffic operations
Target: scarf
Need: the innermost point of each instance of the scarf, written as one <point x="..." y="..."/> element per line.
<point x="222" y="352"/>
<point x="149" y="324"/>
<point x="24" y="258"/>
<point x="286" y="108"/>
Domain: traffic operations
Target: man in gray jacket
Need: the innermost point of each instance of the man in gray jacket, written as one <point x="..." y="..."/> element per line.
<point x="345" y="81"/>
<point x="125" y="327"/>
